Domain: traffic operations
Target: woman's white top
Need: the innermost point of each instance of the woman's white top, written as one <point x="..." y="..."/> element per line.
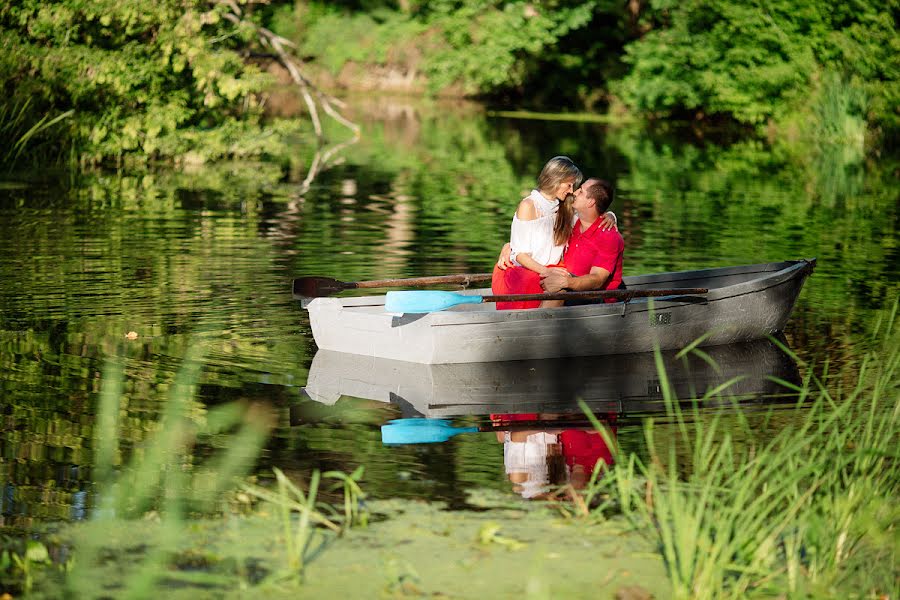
<point x="529" y="457"/>
<point x="535" y="237"/>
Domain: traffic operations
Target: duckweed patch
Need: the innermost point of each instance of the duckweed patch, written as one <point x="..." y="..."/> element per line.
<point x="415" y="549"/>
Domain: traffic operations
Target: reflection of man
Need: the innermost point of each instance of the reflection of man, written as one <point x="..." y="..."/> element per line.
<point x="593" y="258"/>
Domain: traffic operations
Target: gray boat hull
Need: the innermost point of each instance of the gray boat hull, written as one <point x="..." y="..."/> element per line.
<point x="744" y="303"/>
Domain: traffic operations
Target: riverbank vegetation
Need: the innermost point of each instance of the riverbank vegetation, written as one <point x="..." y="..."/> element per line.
<point x="809" y="511"/>
<point x="807" y="70"/>
<point x="188" y="82"/>
<point x="180" y="82"/>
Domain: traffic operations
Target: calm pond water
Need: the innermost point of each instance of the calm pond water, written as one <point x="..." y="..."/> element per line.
<point x="204" y="259"/>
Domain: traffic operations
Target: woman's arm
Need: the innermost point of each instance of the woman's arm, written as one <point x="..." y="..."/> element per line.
<point x="609" y="221"/>
<point x="524" y="259"/>
<point x="521" y="237"/>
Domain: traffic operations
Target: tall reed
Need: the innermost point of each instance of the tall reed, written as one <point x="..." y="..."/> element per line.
<point x="809" y="511"/>
<point x="19" y="127"/>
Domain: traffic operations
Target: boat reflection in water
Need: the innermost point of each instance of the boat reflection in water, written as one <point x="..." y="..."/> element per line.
<point x="532" y="408"/>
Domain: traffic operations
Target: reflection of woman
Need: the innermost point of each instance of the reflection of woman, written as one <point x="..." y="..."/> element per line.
<point x="533" y="460"/>
<point x="537" y="459"/>
<point x="540" y="230"/>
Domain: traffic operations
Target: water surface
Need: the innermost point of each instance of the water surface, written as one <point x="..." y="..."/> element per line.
<point x="204" y="260"/>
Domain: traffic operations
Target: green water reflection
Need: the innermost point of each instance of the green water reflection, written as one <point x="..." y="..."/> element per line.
<point x="207" y="257"/>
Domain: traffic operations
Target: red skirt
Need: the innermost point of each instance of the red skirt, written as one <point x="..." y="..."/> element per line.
<point x="516" y="280"/>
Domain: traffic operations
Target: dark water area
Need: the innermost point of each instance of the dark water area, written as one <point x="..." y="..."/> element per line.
<point x="203" y="260"/>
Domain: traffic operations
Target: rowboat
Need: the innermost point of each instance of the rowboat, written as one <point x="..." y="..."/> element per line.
<point x="744" y="303"/>
<point x="623" y="385"/>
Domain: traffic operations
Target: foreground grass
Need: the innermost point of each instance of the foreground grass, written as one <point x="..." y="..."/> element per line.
<point x="808" y="512"/>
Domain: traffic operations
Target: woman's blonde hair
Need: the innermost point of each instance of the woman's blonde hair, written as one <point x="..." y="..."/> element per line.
<point x="557" y="170"/>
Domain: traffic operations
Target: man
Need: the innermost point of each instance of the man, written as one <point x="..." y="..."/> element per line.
<point x="593" y="258"/>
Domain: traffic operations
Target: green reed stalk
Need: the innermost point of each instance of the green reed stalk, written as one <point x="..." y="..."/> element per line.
<point x="159" y="474"/>
<point x="806" y="510"/>
<point x="354" y="512"/>
<point x="13" y="127"/>
<point x="289" y="498"/>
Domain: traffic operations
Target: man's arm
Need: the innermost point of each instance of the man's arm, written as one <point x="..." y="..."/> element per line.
<point x="560" y="279"/>
<point x="504" y="261"/>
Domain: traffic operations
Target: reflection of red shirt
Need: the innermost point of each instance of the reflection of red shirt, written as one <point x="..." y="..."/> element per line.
<point x="595" y="248"/>
<point x="585" y="448"/>
<point x="501" y="418"/>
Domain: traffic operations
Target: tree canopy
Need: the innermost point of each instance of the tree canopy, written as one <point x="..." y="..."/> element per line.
<point x="185" y="80"/>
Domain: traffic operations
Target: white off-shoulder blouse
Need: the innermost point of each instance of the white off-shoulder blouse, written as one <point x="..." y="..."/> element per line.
<point x="535" y="237"/>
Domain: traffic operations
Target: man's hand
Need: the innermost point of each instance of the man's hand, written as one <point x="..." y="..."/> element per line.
<point x="504" y="261"/>
<point x="555" y="280"/>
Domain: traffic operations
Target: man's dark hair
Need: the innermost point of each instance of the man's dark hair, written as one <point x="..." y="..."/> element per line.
<point x="601" y="192"/>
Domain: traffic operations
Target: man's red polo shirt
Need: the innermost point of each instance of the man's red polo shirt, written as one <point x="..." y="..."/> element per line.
<point x="595" y="248"/>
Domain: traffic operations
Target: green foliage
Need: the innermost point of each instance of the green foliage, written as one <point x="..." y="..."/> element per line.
<point x="162" y="475"/>
<point x="288" y="498"/>
<point x="495" y="45"/>
<point x="471" y="46"/>
<point x="154" y="80"/>
<point x="749" y="63"/>
<point x="335" y="38"/>
<point x="20" y="561"/>
<point x="761" y="60"/>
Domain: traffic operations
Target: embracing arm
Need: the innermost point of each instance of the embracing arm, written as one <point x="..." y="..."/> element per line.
<point x="520" y="240"/>
<point x="558" y="279"/>
<point x="529" y="263"/>
<point x="610" y="221"/>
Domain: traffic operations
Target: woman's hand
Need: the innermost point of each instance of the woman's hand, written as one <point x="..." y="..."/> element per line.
<point x="609" y="221"/>
<point x="504" y="261"/>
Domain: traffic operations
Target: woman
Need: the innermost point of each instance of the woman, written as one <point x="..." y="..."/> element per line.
<point x="540" y="230"/>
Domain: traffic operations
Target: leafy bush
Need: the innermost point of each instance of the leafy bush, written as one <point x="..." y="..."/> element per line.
<point x="760" y="61"/>
<point x="136" y="75"/>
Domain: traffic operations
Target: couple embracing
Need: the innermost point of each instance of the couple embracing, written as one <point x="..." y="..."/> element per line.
<point x="562" y="238"/>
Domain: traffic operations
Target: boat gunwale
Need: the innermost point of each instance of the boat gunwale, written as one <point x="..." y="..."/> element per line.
<point x="771" y="274"/>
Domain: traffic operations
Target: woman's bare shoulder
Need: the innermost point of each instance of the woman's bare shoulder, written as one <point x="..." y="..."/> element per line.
<point x="526" y="210"/>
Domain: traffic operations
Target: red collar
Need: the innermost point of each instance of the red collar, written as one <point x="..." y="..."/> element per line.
<point x="590" y="231"/>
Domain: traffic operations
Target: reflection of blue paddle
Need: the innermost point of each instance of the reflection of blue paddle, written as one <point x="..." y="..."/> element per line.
<point x="430" y="301"/>
<point x="420" y="431"/>
<point x="432" y="431"/>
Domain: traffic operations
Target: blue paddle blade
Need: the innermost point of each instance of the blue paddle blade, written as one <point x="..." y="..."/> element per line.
<point x="425" y="301"/>
<point x="420" y="431"/>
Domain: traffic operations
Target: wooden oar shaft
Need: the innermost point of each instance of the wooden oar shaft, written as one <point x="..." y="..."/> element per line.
<point x="527" y="425"/>
<point x="617" y="294"/>
<point x="314" y="286"/>
<point x="463" y="279"/>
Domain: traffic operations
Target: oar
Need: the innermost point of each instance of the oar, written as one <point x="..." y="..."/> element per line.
<point x="432" y="431"/>
<point x="420" y="431"/>
<point x="317" y="287"/>
<point x="431" y="301"/>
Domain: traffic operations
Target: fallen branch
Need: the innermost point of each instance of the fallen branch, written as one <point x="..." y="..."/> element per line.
<point x="310" y="92"/>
